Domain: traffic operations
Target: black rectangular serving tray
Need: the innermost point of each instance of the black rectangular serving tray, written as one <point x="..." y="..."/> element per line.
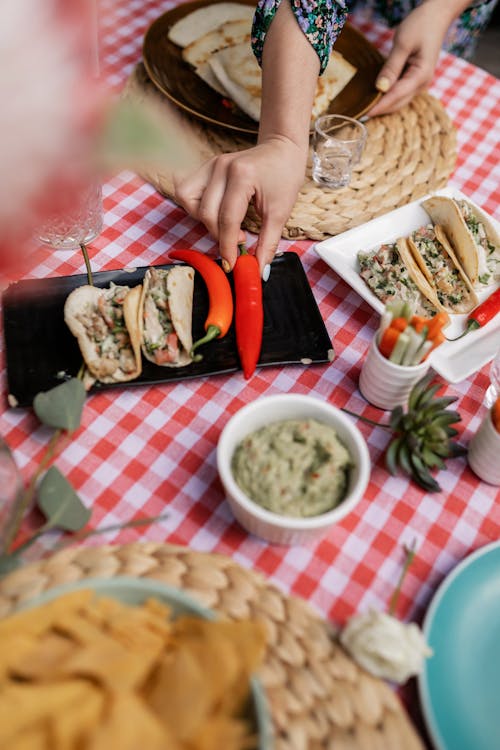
<point x="40" y="349"/>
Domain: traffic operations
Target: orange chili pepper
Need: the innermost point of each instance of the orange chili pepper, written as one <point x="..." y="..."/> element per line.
<point x="495" y="414"/>
<point x="249" y="313"/>
<point x="220" y="310"/>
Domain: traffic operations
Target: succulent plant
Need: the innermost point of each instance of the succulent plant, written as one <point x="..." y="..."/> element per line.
<point x="422" y="435"/>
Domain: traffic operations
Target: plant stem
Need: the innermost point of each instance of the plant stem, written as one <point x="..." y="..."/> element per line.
<point x="113" y="527"/>
<point x="365" y="419"/>
<point x="410" y="554"/>
<point x="27" y="496"/>
<point x="87" y="264"/>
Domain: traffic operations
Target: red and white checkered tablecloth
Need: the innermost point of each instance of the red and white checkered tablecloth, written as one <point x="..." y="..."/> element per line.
<point x="147" y="450"/>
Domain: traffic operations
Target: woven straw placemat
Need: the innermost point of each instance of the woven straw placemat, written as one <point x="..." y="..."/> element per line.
<point x="407" y="154"/>
<point x="318" y="697"/>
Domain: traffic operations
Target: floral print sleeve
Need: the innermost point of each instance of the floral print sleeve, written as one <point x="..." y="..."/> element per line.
<point x="320" y="20"/>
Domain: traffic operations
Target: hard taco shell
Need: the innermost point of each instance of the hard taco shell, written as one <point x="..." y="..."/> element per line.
<point x="80" y="305"/>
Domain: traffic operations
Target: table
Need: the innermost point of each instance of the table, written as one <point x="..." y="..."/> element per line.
<point x="143" y="451"/>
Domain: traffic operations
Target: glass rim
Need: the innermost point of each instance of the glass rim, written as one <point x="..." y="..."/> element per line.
<point x="346" y="121"/>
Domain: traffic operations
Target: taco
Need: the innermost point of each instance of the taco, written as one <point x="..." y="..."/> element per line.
<point x="165" y="315"/>
<point x="392" y="273"/>
<point x="438" y="263"/>
<point x="473" y="237"/>
<point x="105" y="324"/>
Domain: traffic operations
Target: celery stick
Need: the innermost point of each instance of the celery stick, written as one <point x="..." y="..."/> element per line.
<point x="399" y="350"/>
<point x="424" y="349"/>
<point x="385" y="321"/>
<point x="416" y="341"/>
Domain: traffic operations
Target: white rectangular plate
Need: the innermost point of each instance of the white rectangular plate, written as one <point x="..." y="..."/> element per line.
<point x="454" y="361"/>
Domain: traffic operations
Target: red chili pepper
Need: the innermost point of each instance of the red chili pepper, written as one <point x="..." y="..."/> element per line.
<point x="482" y="314"/>
<point x="249" y="317"/>
<point x="220" y="310"/>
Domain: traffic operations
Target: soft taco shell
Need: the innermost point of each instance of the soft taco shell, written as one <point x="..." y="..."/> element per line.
<point x="441" y="286"/>
<point x="179" y="284"/>
<point x="416" y="274"/>
<point x="83" y="316"/>
<point x="205" y="19"/>
<point x="446" y="212"/>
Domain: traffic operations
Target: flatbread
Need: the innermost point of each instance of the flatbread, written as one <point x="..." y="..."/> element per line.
<point x="336" y="76"/>
<point x="199" y="52"/>
<point x="238" y="72"/>
<point x="111" y="356"/>
<point x="178" y="286"/>
<point x="477" y="259"/>
<point x="206" y="19"/>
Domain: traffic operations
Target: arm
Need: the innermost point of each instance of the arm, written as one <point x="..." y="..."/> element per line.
<point x="415" y="51"/>
<point x="272" y="172"/>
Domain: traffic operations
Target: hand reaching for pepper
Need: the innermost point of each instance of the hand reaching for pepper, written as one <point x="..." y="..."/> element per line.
<point x="218" y="193"/>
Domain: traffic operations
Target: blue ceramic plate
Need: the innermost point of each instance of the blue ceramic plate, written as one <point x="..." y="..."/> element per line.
<point x="460" y="685"/>
<point x="135" y="591"/>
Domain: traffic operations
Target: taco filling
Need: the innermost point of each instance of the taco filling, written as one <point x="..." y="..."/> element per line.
<point x="165" y="314"/>
<point x="488" y="252"/>
<point x="385" y="272"/>
<point x="442" y="270"/>
<point x="105" y="324"/>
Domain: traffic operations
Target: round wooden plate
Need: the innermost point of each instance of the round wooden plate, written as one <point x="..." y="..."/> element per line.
<point x="178" y="81"/>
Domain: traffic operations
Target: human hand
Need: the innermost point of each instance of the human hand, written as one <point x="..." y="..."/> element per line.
<point x="218" y="194"/>
<point x="410" y="66"/>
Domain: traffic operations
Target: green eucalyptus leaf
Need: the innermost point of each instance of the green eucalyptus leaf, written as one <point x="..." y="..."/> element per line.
<point x="59" y="502"/>
<point x="9" y="563"/>
<point x="61" y="407"/>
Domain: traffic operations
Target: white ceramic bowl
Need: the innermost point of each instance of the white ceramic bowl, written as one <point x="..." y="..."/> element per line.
<point x="271" y="526"/>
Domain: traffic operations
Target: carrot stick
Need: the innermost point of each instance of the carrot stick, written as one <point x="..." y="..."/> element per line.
<point x="399" y="323"/>
<point x="388" y="341"/>
<point x="437" y="323"/>
<point x="419" y="322"/>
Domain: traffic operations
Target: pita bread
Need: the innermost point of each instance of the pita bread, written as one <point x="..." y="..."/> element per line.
<point x="238" y="72"/>
<point x="472" y="236"/>
<point x="165" y="309"/>
<point x="198" y="53"/>
<point x="336" y="76"/>
<point x="206" y="19"/>
<point x="105" y="324"/>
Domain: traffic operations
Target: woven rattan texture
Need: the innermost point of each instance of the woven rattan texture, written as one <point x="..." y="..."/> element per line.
<point x="407" y="154"/>
<point x="319" y="698"/>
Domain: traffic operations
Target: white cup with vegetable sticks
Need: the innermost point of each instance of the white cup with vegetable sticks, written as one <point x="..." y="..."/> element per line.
<point x="398" y="356"/>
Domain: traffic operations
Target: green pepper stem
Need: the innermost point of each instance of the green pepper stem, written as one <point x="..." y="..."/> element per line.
<point x="212" y="333"/>
<point x="472" y="325"/>
<point x="242" y="248"/>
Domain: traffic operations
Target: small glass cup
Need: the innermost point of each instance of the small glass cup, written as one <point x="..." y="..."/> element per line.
<point x="77" y="222"/>
<point x="338" y="143"/>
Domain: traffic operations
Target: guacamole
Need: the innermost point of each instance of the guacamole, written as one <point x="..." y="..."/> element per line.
<point x="295" y="468"/>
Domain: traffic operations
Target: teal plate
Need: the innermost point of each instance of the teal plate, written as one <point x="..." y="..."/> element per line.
<point x="135" y="591"/>
<point x="460" y="685"/>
